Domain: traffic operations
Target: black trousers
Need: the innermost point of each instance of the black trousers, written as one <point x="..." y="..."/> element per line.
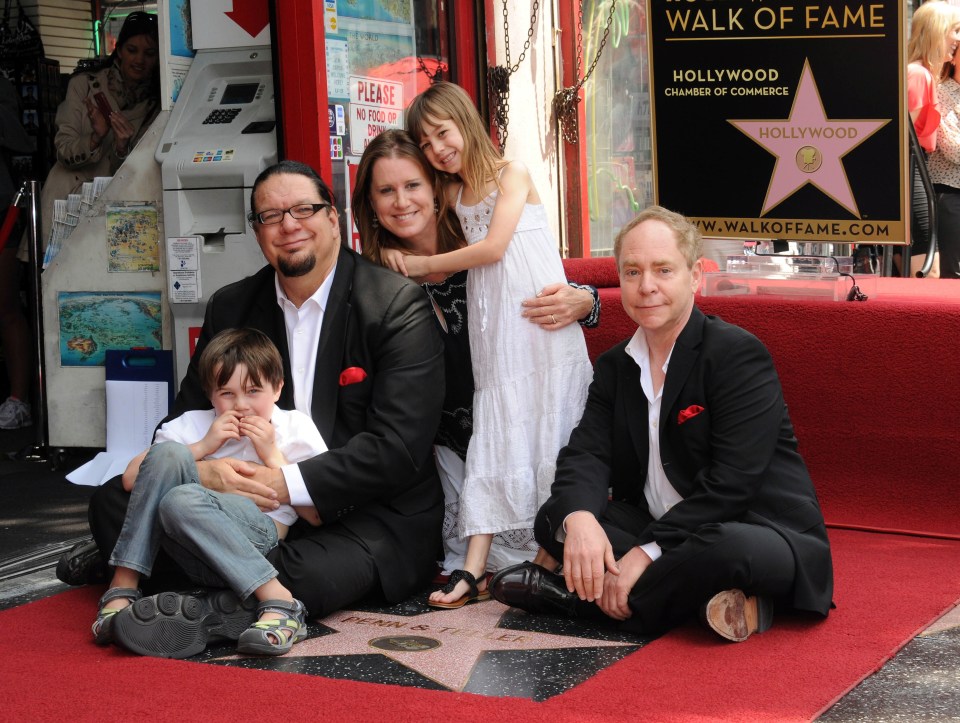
<point x="920" y="226"/>
<point x="327" y="567"/>
<point x="948" y="230"/>
<point x="718" y="556"/>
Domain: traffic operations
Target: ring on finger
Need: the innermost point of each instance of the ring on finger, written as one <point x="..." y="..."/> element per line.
<point x="552" y="316"/>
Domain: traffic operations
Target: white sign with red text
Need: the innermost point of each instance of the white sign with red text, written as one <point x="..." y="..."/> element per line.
<point x="375" y="105"/>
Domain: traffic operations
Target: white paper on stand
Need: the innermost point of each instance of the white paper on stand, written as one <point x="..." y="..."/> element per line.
<point x="134" y="409"/>
<point x="99" y="469"/>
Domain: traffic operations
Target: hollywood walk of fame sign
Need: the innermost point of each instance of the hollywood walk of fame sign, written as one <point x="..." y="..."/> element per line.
<point x="780" y="119"/>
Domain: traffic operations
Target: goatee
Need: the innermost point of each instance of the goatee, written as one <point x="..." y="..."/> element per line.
<point x="293" y="267"/>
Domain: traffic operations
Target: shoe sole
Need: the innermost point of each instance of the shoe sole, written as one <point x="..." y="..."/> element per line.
<point x="735" y="616"/>
<point x="732" y="619"/>
<point x="105" y="634"/>
<point x="171" y="625"/>
<point x="460" y="602"/>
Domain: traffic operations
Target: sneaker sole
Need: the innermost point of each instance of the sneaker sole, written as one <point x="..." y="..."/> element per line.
<point x="171" y="625"/>
<point x="235" y="615"/>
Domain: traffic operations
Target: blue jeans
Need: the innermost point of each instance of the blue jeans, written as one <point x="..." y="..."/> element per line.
<point x="219" y="539"/>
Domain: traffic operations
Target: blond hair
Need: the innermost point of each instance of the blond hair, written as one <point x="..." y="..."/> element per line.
<point x="929" y="27"/>
<point x="480" y="160"/>
<point x="687" y="235"/>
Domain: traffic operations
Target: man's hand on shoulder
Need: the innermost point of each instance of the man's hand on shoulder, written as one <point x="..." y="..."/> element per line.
<point x="587" y="555"/>
<point x="616" y="588"/>
<point x="251" y="480"/>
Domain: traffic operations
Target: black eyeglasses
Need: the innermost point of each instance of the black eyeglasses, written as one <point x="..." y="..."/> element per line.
<point x="299" y="212"/>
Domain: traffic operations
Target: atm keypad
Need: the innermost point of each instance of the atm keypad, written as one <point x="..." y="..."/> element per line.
<point x="222" y="115"/>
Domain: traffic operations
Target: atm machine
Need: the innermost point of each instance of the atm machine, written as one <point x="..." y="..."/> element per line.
<point x="221" y="134"/>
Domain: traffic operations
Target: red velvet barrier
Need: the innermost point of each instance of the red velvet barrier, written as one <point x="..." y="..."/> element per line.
<point x="873" y="389"/>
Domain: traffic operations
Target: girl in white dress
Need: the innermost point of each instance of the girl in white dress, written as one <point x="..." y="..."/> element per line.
<point x="530" y="385"/>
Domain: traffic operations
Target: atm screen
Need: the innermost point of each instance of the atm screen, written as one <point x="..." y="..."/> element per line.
<point x="237" y="93"/>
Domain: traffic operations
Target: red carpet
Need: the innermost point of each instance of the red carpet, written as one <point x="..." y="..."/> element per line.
<point x="860" y="381"/>
<point x="888" y="589"/>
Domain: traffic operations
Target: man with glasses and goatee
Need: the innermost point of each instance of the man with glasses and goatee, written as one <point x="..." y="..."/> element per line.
<point x="362" y="356"/>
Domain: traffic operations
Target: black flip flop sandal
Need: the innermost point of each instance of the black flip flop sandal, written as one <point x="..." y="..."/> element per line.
<point x="473" y="594"/>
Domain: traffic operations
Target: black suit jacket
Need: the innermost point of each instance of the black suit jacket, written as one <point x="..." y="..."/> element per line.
<point x="378" y="478"/>
<point x="736" y="460"/>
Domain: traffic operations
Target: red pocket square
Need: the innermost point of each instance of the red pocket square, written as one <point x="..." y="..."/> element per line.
<point x="689" y="413"/>
<point x="352" y="375"/>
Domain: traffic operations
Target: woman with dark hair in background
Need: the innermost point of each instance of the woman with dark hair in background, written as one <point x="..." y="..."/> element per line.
<point x="89" y="141"/>
<point x="398" y="203"/>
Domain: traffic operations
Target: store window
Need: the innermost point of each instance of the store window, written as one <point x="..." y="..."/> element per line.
<point x="617" y="133"/>
<point x="379" y="57"/>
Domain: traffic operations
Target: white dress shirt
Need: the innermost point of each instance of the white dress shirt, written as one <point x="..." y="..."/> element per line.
<point x="303" y="327"/>
<point x="657" y="490"/>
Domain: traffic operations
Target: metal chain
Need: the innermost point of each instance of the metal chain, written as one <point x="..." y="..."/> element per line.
<point x="565" y="100"/>
<point x="437" y="75"/>
<point x="498" y="76"/>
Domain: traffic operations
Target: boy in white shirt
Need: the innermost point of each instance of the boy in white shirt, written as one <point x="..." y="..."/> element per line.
<point x="219" y="539"/>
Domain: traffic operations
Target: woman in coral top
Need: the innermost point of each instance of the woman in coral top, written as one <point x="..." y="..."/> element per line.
<point x="934" y="37"/>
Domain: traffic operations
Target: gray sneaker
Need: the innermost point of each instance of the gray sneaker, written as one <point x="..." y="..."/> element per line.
<point x="14" y="414"/>
<point x="178" y="625"/>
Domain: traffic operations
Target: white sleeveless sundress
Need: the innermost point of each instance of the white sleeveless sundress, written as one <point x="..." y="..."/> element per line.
<point x="531" y="384"/>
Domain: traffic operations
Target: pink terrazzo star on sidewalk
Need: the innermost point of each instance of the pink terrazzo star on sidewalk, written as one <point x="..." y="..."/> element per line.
<point x="442" y="645"/>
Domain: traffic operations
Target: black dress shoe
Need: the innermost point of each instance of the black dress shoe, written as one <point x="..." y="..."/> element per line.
<point x="532" y="588"/>
<point x="83" y="564"/>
